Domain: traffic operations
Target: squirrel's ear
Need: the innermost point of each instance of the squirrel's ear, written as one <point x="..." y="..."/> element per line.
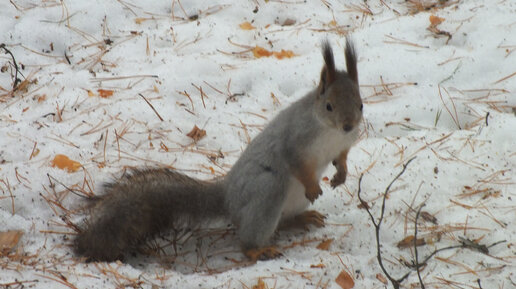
<point x="328" y="74"/>
<point x="351" y="60"/>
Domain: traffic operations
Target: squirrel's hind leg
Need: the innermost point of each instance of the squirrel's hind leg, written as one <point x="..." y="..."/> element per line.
<point x="259" y="218"/>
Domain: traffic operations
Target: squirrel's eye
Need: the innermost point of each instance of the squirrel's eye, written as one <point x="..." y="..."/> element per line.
<point x="328" y="107"/>
<point x="361" y="107"/>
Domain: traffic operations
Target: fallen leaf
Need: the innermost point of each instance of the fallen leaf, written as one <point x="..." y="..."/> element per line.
<point x="284" y="53"/>
<point x="435" y="20"/>
<point x="260" y="284"/>
<point x="105" y="93"/>
<point x="246" y="26"/>
<point x="289" y="22"/>
<point x="381" y="278"/>
<point x="429" y="217"/>
<point x="90" y="93"/>
<point x="64" y="163"/>
<point x="324" y="245"/>
<point x="363" y="205"/>
<point x="41" y="98"/>
<point x="409" y="242"/>
<point x="261" y="52"/>
<point x="344" y="280"/>
<point x="196" y="133"/>
<point x="320" y="265"/>
<point x="332" y="23"/>
<point x="8" y="241"/>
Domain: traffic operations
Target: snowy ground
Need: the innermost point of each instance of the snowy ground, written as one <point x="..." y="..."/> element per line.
<point x="448" y="102"/>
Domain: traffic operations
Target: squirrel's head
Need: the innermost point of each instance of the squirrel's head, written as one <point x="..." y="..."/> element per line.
<point x="338" y="102"/>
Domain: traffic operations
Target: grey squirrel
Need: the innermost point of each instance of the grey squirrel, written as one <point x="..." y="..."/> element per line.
<point x="273" y="181"/>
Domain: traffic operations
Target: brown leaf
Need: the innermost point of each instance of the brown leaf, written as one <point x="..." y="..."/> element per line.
<point x="381" y="278"/>
<point x="409" y="242"/>
<point x="320" y="265"/>
<point x="196" y="133"/>
<point x="363" y="205"/>
<point x="428" y="217"/>
<point x="324" y="245"/>
<point x="344" y="280"/>
<point x="289" y="22"/>
<point x="8" y="241"/>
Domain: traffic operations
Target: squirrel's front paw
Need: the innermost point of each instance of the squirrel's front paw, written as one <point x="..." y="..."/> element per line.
<point x="313" y="193"/>
<point x="338" y="178"/>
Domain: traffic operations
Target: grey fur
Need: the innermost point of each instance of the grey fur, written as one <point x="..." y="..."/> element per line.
<point x="258" y="192"/>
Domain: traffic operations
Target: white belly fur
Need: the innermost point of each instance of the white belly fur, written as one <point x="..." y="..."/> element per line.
<point x="325" y="149"/>
<point x="296" y="202"/>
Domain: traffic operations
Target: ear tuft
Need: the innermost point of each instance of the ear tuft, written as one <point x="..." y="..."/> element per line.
<point x="328" y="62"/>
<point x="351" y="60"/>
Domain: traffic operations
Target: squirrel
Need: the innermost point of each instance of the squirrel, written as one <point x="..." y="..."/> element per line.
<point x="272" y="183"/>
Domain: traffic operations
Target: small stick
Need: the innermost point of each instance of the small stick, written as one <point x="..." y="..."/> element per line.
<point x="160" y="118"/>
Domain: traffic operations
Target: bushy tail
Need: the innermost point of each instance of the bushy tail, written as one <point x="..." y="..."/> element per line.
<point x="141" y="205"/>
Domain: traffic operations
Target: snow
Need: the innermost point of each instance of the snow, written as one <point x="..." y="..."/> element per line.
<point x="449" y="103"/>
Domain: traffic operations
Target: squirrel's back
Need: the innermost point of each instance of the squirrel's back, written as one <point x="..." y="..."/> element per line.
<point x="142" y="204"/>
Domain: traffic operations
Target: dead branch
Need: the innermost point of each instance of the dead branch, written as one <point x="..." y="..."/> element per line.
<point x="16" y="69"/>
<point x="395" y="282"/>
<point x="416" y="265"/>
<point x="415" y="247"/>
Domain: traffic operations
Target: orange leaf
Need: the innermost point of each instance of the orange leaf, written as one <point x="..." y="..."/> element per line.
<point x="435" y="20"/>
<point x="344" y="280"/>
<point x="320" y="265"/>
<point x="104" y="93"/>
<point x="41" y="98"/>
<point x="196" y="133"/>
<point x="64" y="163"/>
<point x="324" y="245"/>
<point x="260" y="285"/>
<point x="261" y="52"/>
<point x="8" y="241"/>
<point x="284" y="53"/>
<point x="246" y="26"/>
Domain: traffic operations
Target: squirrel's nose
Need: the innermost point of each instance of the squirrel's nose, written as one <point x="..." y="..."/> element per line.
<point x="348" y="127"/>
